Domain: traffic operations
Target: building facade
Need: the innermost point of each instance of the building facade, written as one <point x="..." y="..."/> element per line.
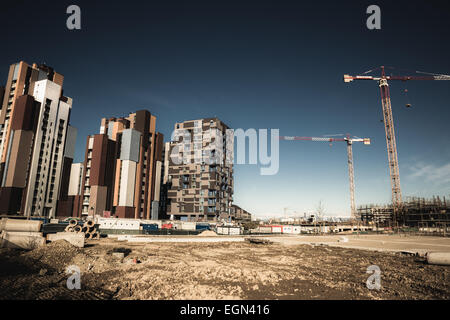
<point x="36" y="141"/>
<point x="240" y="215"/>
<point x="122" y="168"/>
<point x="198" y="175"/>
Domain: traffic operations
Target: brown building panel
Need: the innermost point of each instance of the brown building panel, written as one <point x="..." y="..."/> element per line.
<point x="124" y="212"/>
<point x="142" y="122"/>
<point x="65" y="207"/>
<point x="26" y="113"/>
<point x="10" y="200"/>
<point x="98" y="162"/>
<point x="116" y="183"/>
<point x="65" y="178"/>
<point x="19" y="159"/>
<point x="76" y="210"/>
<point x="138" y="181"/>
<point x="2" y="95"/>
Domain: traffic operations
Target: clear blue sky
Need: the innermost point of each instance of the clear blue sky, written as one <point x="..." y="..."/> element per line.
<point x="258" y="64"/>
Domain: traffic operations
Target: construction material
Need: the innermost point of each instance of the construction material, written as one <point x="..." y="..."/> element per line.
<point x="118" y="255"/>
<point x="207" y="233"/>
<point x="76" y="239"/>
<point x="21" y="239"/>
<point x="89" y="223"/>
<point x="258" y="241"/>
<point x="88" y="230"/>
<point x="439" y="258"/>
<point x="20" y="225"/>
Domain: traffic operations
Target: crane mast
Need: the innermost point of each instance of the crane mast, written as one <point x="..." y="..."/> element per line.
<point x="394" y="171"/>
<point x="351" y="174"/>
<point x="390" y="143"/>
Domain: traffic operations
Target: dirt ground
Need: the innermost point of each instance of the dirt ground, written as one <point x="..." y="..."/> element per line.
<point x="237" y="270"/>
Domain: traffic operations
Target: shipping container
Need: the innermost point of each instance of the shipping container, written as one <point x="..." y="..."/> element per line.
<point x="226" y="230"/>
<point x="167" y="226"/>
<point x="202" y="227"/>
<point x="147" y="227"/>
<point x="287" y="229"/>
<point x="265" y="229"/>
<point x="277" y="229"/>
<point x="188" y="226"/>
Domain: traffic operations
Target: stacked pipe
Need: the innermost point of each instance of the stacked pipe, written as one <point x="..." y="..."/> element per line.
<point x="88" y="228"/>
<point x="18" y="233"/>
<point x="90" y="232"/>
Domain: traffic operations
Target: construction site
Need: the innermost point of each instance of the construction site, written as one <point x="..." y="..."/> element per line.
<point x="191" y="132"/>
<point x="232" y="257"/>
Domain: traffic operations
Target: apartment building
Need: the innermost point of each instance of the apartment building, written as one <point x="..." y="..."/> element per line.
<point x="36" y="140"/>
<point x="198" y="175"/>
<point x="239" y="214"/>
<point x="122" y="168"/>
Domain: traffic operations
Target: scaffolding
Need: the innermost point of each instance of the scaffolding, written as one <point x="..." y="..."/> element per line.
<point x="427" y="216"/>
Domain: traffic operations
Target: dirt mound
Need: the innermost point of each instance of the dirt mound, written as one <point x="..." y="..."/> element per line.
<point x="207" y="233"/>
<point x="57" y="254"/>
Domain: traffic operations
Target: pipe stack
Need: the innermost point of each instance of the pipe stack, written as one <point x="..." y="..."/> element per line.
<point x="88" y="228"/>
<point x="90" y="232"/>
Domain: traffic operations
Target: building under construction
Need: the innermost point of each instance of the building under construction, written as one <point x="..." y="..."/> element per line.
<point x="415" y="212"/>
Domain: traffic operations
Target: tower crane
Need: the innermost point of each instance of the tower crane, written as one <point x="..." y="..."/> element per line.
<point x="349" y="141"/>
<point x="389" y="122"/>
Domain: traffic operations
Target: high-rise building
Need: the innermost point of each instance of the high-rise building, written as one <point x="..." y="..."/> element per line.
<point x="36" y="141"/>
<point x="122" y="164"/>
<point x="199" y="171"/>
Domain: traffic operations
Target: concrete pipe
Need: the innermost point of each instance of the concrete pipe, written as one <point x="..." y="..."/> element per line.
<point x="89" y="223"/>
<point x="84" y="229"/>
<point x="73" y="222"/>
<point x="439" y="258"/>
<point x="68" y="229"/>
<point x="87" y="235"/>
<point x="24" y="240"/>
<point x="21" y="225"/>
<point x="77" y="229"/>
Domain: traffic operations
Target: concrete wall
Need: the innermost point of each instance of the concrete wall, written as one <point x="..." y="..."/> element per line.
<point x="130" y="145"/>
<point x="127" y="180"/>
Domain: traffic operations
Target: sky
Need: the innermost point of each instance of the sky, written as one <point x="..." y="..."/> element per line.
<point x="262" y="65"/>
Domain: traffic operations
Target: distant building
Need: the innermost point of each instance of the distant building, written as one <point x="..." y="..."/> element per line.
<point x="123" y="165"/>
<point x="201" y="187"/>
<point x="240" y="215"/>
<point x="36" y="141"/>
